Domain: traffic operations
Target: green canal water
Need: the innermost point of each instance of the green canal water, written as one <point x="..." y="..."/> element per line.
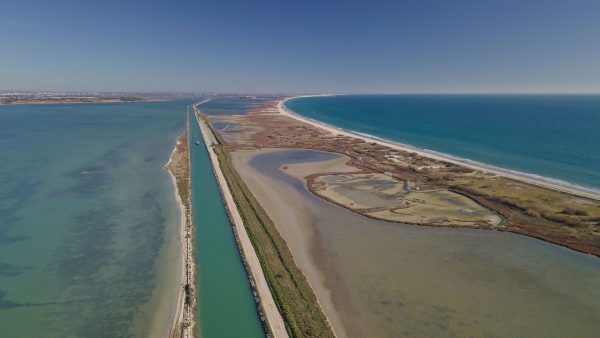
<point x="226" y="306"/>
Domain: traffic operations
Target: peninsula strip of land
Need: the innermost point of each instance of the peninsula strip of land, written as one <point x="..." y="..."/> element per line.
<point x="401" y="184"/>
<point x="179" y="168"/>
<point x="51" y="98"/>
<point x="286" y="300"/>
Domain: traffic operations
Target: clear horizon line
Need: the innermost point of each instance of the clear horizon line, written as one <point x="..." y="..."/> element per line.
<point x="9" y="91"/>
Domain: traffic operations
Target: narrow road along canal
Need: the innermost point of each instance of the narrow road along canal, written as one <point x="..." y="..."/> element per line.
<point x="226" y="306"/>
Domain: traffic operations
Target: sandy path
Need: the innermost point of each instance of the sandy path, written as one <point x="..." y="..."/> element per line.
<point x="178" y="316"/>
<point x="274" y="319"/>
<point x="183" y="322"/>
<point x="523" y="177"/>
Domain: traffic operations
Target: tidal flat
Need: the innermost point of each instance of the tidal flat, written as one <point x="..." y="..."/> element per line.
<point x="382" y="279"/>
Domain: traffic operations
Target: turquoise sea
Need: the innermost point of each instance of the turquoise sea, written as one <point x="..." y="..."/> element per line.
<point x="88" y="219"/>
<point x="555" y="136"/>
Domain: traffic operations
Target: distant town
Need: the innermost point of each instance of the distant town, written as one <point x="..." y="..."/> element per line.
<point x="85" y="97"/>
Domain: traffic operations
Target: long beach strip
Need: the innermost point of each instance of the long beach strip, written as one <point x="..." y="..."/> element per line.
<point x="518" y="176"/>
<point x="183" y="322"/>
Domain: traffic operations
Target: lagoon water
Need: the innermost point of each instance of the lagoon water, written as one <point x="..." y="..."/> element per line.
<point x="232" y="104"/>
<point x="395" y="280"/>
<point x="556" y="136"/>
<point x="88" y="219"/>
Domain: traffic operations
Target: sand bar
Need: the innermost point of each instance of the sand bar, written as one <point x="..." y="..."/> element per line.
<point x="183" y="322"/>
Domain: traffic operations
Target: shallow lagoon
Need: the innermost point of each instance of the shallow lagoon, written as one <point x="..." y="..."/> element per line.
<point x="88" y="219"/>
<point x="393" y="280"/>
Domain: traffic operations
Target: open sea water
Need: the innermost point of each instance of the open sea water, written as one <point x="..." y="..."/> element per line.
<point x="555" y="136"/>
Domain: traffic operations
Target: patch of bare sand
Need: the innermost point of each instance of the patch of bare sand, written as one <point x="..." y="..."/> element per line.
<point x="293" y="221"/>
<point x="388" y="279"/>
<point x="302" y="170"/>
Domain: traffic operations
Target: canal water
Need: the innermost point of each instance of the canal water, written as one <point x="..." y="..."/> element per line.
<point x="226" y="306"/>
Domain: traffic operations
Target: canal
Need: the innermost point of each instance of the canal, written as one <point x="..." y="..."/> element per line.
<point x="226" y="305"/>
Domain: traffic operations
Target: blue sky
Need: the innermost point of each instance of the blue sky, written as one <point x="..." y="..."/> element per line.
<point x="301" y="46"/>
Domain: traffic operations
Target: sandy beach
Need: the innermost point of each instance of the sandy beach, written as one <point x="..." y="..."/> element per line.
<point x="324" y="238"/>
<point x="523" y="177"/>
<point x="183" y="322"/>
<point x="179" y="308"/>
<point x="502" y="201"/>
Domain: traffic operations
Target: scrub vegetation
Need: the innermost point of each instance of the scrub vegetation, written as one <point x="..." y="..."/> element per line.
<point x="292" y="293"/>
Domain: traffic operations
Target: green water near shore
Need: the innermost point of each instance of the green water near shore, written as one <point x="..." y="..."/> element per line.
<point x="89" y="224"/>
<point x="226" y="306"/>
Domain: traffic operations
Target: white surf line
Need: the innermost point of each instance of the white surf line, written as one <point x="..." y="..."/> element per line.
<point x="274" y="318"/>
<point x="532" y="179"/>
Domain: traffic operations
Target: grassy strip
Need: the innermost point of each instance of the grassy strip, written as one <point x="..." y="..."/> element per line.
<point x="179" y="166"/>
<point x="291" y="291"/>
<point x="183" y="179"/>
